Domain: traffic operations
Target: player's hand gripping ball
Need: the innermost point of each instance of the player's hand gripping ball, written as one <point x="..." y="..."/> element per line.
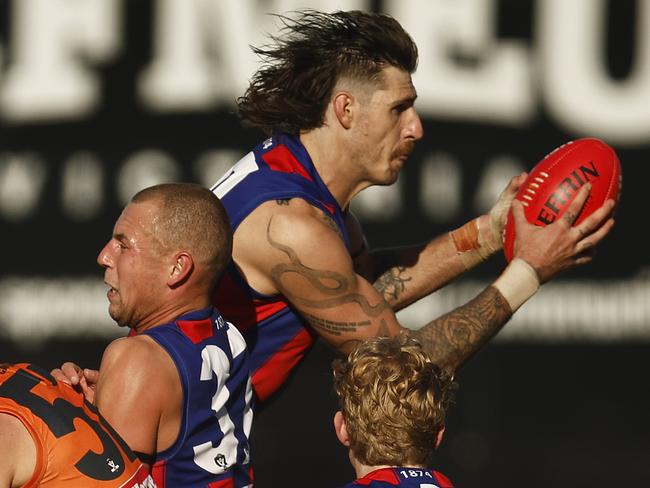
<point x="552" y="185"/>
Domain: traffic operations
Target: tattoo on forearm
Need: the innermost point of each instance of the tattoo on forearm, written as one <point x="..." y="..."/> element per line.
<point x="334" y="327"/>
<point x="453" y="338"/>
<point x="329" y="283"/>
<point x="392" y="283"/>
<point x="282" y="203"/>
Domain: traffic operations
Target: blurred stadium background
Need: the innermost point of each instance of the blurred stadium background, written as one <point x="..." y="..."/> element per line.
<point x="99" y="98"/>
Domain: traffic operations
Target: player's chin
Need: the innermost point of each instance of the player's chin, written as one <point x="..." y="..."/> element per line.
<point x="387" y="179"/>
<point x="394" y="170"/>
<point x="115" y="314"/>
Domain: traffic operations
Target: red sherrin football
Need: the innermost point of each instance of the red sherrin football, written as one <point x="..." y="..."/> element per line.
<point x="553" y="184"/>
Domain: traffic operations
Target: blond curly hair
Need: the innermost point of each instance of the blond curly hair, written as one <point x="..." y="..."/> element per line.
<point x="394" y="401"/>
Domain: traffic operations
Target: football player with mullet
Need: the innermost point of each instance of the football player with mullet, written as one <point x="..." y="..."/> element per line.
<point x="335" y="97"/>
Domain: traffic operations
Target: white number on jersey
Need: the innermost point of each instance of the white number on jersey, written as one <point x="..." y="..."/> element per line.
<point x="217" y="459"/>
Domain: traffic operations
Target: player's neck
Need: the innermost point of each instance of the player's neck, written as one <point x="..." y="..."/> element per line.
<point x="362" y="469"/>
<point x="171" y="311"/>
<point x="331" y="163"/>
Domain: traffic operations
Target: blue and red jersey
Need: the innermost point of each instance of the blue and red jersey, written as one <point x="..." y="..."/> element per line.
<point x="211" y="450"/>
<point x="402" y="477"/>
<point x="277" y="336"/>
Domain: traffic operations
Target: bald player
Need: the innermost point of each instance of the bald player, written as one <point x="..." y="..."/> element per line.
<point x="178" y="388"/>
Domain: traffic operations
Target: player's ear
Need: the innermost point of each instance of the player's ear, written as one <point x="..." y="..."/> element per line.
<point x="441" y="433"/>
<point x="341" y="429"/>
<point x="180" y="270"/>
<point x="342" y="106"/>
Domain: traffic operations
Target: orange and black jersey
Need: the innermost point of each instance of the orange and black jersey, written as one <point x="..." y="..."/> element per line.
<point x="75" y="446"/>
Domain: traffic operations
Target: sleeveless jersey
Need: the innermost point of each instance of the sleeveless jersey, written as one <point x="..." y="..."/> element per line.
<point x="278" y="338"/>
<point x="75" y="446"/>
<point x="402" y="477"/>
<point x="211" y="450"/>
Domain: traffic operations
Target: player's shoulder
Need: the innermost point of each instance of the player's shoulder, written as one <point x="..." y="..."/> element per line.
<point x="140" y="346"/>
<point x="295" y="220"/>
<point x="295" y="207"/>
<point x="132" y="365"/>
<point x="301" y="215"/>
<point x="141" y="354"/>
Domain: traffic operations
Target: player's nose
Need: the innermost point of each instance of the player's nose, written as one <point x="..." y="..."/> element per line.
<point x="414" y="129"/>
<point x="104" y="258"/>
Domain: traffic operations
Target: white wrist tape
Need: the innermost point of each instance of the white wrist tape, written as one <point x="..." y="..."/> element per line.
<point x="517" y="283"/>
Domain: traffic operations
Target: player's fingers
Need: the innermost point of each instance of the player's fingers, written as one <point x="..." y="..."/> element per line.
<point x="584" y="259"/>
<point x="595" y="220"/>
<point x="72" y="372"/>
<point x="519" y="180"/>
<point x="591" y="240"/>
<point x="87" y="390"/>
<point x="58" y="375"/>
<point x="514" y="184"/>
<point x="576" y="205"/>
<point x="518" y="212"/>
<point x="92" y="376"/>
<point x="600" y="215"/>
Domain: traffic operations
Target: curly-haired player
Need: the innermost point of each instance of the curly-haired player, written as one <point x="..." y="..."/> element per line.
<point x="393" y="401"/>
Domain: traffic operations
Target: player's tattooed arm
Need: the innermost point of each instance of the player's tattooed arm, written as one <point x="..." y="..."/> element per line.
<point x="326" y="219"/>
<point x="330" y="300"/>
<point x="344" y="308"/>
<point x="334" y="287"/>
<point x="393" y="283"/>
<point x="405" y="274"/>
<point x="391" y="273"/>
<point x="334" y="327"/>
<point x="400" y="277"/>
<point x="352" y="343"/>
<point x="455" y="337"/>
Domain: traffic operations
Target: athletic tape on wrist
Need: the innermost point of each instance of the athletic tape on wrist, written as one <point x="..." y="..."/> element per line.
<point x="517" y="283"/>
<point x="495" y="243"/>
<point x="466" y="237"/>
<point x="470" y="245"/>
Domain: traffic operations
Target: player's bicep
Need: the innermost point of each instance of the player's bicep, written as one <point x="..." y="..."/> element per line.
<point x="312" y="268"/>
<point x="125" y="396"/>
